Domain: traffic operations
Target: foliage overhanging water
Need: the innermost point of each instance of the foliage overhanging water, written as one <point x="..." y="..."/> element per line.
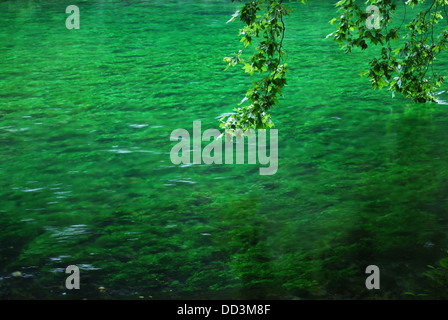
<point x="86" y="177"/>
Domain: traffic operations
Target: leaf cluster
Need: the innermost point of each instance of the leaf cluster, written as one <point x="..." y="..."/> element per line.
<point x="407" y="68"/>
<point x="263" y="26"/>
<point x="405" y="63"/>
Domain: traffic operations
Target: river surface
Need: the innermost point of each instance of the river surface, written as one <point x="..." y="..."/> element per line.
<point x="86" y="177"/>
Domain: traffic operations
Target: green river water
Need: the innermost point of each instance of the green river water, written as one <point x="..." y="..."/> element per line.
<point x="86" y="177"/>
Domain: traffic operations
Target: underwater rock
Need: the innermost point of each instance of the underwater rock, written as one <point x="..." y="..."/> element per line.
<point x="17" y="274"/>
